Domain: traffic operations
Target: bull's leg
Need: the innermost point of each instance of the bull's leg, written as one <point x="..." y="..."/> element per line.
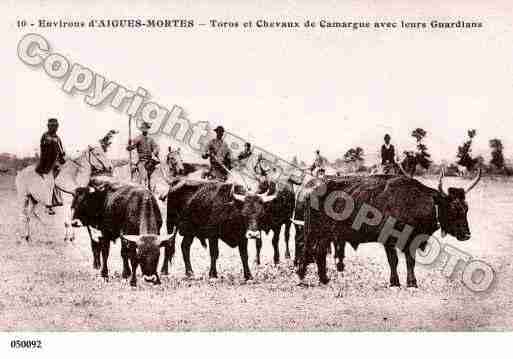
<point x="276" y="244"/>
<point x="95" y="247"/>
<point x="321" y="265"/>
<point x="133" y="262"/>
<point x="213" y="245"/>
<point x="169" y="252"/>
<point x="340" y="249"/>
<point x="243" y="250"/>
<point x="392" y="262"/>
<point x="258" y="244"/>
<point x="287" y="237"/>
<point x="124" y="255"/>
<point x="298" y="243"/>
<point x="411" y="281"/>
<point x="301" y="271"/>
<point x="186" y="253"/>
<point x="105" y="248"/>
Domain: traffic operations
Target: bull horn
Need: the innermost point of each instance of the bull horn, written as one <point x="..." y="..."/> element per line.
<point x="163" y="239"/>
<point x="440" y="185"/>
<point x="298" y="222"/>
<point x="238" y="197"/>
<point x="474" y="182"/>
<point x="266" y="197"/>
<point x="130" y="237"/>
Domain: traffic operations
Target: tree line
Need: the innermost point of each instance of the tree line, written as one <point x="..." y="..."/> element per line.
<point x="418" y="160"/>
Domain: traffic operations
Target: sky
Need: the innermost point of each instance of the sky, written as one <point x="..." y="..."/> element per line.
<point x="289" y="91"/>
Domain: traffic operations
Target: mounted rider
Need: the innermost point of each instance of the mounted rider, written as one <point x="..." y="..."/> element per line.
<point x="147" y="153"/>
<point x="318" y="168"/>
<point x="262" y="170"/>
<point x="51" y="156"/>
<point x="243" y="157"/>
<point x="388" y="155"/>
<point x="220" y="156"/>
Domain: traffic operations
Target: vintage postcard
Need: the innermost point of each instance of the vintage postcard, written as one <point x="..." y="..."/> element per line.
<point x="266" y="166"/>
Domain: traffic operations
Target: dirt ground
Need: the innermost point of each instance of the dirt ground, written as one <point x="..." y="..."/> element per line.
<point x="50" y="285"/>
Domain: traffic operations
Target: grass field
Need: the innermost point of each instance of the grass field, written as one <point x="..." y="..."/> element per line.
<point x="50" y="285"/>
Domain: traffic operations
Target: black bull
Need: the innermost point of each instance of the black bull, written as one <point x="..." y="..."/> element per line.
<point x="277" y="214"/>
<point x="399" y="212"/>
<point x="127" y="211"/>
<point x="212" y="210"/>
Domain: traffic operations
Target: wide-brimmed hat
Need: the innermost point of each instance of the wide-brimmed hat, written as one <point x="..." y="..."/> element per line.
<point x="145" y="125"/>
<point x="219" y="129"/>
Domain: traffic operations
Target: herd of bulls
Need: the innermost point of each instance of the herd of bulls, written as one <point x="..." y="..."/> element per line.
<point x="212" y="211"/>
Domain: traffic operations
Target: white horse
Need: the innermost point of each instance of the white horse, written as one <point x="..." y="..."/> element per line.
<point x="73" y="173"/>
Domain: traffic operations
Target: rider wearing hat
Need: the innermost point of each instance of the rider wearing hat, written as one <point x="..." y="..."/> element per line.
<point x="318" y="164"/>
<point x="220" y="156"/>
<point x="147" y="151"/>
<point x="244" y="156"/>
<point x="52" y="154"/>
<point x="387" y="155"/>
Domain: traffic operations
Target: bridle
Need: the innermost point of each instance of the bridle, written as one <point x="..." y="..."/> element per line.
<point x="94" y="170"/>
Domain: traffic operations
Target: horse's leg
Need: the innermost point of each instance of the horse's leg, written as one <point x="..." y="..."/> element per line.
<point x="27" y="203"/>
<point x="288" y="224"/>
<point x="33" y="212"/>
<point x="69" y="233"/>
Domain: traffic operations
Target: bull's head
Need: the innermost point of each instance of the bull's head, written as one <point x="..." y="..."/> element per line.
<point x="86" y="205"/>
<point x="144" y="250"/>
<point x="253" y="209"/>
<point x="453" y="209"/>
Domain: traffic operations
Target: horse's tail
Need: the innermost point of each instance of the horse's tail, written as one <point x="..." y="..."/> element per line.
<point x="22" y="184"/>
<point x="18" y="182"/>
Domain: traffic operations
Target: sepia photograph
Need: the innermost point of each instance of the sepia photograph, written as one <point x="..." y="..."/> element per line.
<point x="255" y="167"/>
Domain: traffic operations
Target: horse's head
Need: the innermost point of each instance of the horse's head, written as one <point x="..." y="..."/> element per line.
<point x="95" y="159"/>
<point x="175" y="163"/>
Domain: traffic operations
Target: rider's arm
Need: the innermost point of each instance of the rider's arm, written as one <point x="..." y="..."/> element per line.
<point x="61" y="154"/>
<point x="132" y="144"/>
<point x="155" y="148"/>
<point x="208" y="150"/>
<point x="228" y="158"/>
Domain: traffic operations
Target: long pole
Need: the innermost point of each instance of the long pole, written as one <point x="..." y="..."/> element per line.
<point x="130" y="143"/>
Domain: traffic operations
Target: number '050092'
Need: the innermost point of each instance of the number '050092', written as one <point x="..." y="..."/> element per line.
<point x="26" y="344"/>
